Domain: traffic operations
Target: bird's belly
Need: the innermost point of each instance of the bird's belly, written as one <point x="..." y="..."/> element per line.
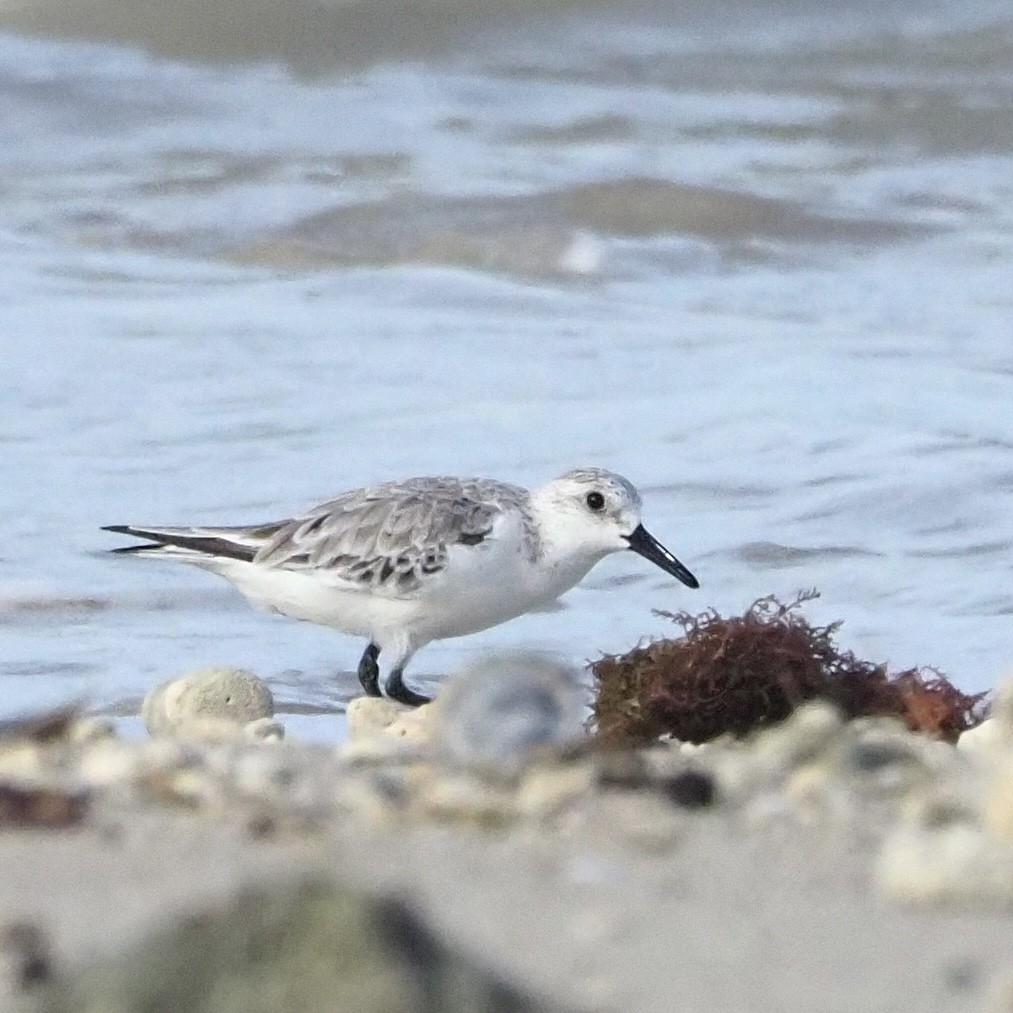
<point x="307" y="597"/>
<point x="481" y="587"/>
<point x="468" y="611"/>
<point x="486" y="589"/>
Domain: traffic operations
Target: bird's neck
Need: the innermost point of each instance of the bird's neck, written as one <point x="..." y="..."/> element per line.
<point x="563" y="559"/>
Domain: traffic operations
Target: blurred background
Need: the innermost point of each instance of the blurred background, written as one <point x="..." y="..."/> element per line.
<point x="757" y="257"/>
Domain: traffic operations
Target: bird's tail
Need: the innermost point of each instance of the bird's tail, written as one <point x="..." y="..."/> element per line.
<point x="196" y="543"/>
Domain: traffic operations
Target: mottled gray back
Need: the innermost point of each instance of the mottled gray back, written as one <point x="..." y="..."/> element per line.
<point x="395" y="534"/>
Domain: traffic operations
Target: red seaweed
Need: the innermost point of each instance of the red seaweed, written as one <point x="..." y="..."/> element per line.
<point x="734" y="675"/>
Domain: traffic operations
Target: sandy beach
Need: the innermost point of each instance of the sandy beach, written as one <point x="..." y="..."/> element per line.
<point x="822" y="864"/>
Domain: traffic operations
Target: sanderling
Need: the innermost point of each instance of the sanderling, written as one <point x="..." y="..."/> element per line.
<point x="405" y="563"/>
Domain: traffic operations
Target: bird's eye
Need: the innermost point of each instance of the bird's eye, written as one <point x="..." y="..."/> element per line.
<point x="595" y="500"/>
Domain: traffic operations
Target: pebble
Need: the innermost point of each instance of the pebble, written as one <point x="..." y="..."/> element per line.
<point x="372" y="717"/>
<point x="498" y="714"/>
<point x="769" y="757"/>
<point x="264" y="729"/>
<point x="209" y="704"/>
<point x="466" y="799"/>
<point x="108" y="762"/>
<point x="22" y="760"/>
<point x="547" y="790"/>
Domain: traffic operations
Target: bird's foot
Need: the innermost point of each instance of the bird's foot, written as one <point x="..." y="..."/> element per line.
<point x="369" y="671"/>
<point x="397" y="690"/>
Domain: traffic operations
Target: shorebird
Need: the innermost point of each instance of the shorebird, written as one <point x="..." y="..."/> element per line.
<point x="406" y="563"/>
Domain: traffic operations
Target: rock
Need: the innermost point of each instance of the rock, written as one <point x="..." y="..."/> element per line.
<point x="497" y="715"/>
<point x="381" y="726"/>
<point x="211" y="703"/>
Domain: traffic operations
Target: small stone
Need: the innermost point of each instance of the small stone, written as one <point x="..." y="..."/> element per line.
<point x="801" y="737"/>
<point x="163" y="754"/>
<point x="499" y="714"/>
<point x="810" y="786"/>
<point x="203" y="704"/>
<point x="689" y="789"/>
<point x="767" y="758"/>
<point x="22" y="760"/>
<point x="881" y="755"/>
<point x="264" y="730"/>
<point x="371" y="716"/>
<point x="107" y="762"/>
<point x="465" y="799"/>
<point x="547" y="790"/>
<point x="190" y="788"/>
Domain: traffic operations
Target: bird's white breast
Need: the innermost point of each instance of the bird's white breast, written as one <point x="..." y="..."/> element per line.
<point x="482" y="585"/>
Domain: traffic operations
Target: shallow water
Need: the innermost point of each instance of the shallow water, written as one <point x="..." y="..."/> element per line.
<point x="763" y="267"/>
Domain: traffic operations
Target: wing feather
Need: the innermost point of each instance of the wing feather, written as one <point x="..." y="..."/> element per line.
<point x="391" y="536"/>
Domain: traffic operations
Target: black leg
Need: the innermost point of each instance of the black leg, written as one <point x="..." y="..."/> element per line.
<point x="369" y="671"/>
<point x="397" y="690"/>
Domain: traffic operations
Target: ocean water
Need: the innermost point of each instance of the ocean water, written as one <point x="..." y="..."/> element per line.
<point x="254" y="254"/>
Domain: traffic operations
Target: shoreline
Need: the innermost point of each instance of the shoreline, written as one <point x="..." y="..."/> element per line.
<point x="817" y="870"/>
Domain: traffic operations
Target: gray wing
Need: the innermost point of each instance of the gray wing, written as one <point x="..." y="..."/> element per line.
<point x="390" y="537"/>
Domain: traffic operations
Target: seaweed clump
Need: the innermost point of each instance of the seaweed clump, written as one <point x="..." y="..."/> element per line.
<point x="735" y="675"/>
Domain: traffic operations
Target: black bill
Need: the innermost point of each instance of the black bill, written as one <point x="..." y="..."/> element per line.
<point x="644" y="543"/>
